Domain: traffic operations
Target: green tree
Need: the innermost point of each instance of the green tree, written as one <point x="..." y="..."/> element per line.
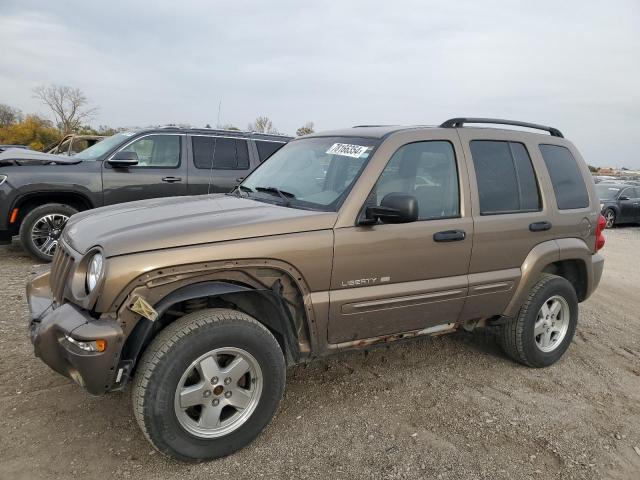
<point x="34" y="131"/>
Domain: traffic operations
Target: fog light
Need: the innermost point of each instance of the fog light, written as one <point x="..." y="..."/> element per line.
<point x="99" y="345"/>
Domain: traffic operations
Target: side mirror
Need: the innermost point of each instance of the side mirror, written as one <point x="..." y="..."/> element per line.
<point x="394" y="208"/>
<point x="623" y="197"/>
<point x="124" y="159"/>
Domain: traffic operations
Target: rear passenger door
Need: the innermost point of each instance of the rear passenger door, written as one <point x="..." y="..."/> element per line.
<point x="510" y="217"/>
<point x="218" y="163"/>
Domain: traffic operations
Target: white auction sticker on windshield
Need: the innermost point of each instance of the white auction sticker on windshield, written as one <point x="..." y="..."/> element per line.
<point x="347" y="150"/>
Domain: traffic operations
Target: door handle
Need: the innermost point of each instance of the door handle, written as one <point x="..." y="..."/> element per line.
<point x="172" y="179"/>
<point x="540" y="226"/>
<point x="449" y="236"/>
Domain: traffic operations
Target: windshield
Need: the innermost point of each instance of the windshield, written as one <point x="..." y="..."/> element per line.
<point x="607" y="192"/>
<point x="315" y="173"/>
<point x="103" y="147"/>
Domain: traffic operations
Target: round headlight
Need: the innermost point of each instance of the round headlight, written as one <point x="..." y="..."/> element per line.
<point x="94" y="272"/>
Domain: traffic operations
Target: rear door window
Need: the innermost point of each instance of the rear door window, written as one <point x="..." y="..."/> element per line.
<point x="505" y="176"/>
<point x="220" y="153"/>
<point x="568" y="184"/>
<point x="266" y="149"/>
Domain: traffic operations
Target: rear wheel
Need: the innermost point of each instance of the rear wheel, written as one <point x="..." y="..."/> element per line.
<point x="610" y="217"/>
<point x="208" y="384"/>
<point x="41" y="229"/>
<point x="545" y="325"/>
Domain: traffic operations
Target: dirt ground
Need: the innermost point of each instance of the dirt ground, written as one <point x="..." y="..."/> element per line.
<point x="450" y="407"/>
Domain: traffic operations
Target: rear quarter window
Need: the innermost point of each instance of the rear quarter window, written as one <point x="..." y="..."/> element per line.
<point x="566" y="177"/>
<point x="266" y="148"/>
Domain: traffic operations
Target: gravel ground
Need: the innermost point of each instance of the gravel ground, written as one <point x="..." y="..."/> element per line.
<point x="450" y="407"/>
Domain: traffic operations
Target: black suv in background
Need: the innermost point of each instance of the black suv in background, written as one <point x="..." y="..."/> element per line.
<point x="620" y="202"/>
<point x="39" y="191"/>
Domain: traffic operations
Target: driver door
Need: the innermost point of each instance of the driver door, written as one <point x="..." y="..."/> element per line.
<point x="160" y="172"/>
<point x="393" y="278"/>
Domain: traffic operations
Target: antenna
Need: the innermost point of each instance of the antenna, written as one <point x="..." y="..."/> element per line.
<point x="219" y="108"/>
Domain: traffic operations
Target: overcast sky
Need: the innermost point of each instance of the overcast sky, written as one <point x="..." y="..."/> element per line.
<point x="571" y="64"/>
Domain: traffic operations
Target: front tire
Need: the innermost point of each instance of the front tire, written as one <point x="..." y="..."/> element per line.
<point x="610" y="217"/>
<point x="41" y="229"/>
<point x="208" y="384"/>
<point x="545" y="324"/>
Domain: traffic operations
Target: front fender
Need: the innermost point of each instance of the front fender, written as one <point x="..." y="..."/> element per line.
<point x="263" y="304"/>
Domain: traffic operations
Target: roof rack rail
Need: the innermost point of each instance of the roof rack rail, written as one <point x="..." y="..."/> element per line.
<point x="459" y="122"/>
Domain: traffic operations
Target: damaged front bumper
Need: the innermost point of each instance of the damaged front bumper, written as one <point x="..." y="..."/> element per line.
<point x="58" y="332"/>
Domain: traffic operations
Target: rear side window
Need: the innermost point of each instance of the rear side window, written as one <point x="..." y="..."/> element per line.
<point x="266" y="149"/>
<point x="506" y="180"/>
<point x="568" y="184"/>
<point x="224" y="153"/>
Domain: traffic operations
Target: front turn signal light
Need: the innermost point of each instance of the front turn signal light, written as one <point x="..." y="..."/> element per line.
<point x="98" y="345"/>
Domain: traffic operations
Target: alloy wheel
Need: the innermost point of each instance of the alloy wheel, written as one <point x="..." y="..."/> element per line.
<point x="218" y="392"/>
<point x="46" y="232"/>
<point x="552" y="323"/>
<point x="610" y="217"/>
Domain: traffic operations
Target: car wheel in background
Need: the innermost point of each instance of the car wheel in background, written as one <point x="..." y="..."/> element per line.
<point x="610" y="217"/>
<point x="41" y="229"/>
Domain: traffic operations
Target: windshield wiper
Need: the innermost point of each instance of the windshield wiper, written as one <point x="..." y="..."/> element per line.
<point x="286" y="196"/>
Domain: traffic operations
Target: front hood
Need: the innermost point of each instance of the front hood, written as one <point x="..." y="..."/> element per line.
<point x="21" y="156"/>
<point x="180" y="221"/>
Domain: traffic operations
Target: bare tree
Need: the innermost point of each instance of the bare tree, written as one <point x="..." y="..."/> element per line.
<point x="262" y="125"/>
<point x="306" y="129"/>
<point x="69" y="105"/>
<point x="9" y="115"/>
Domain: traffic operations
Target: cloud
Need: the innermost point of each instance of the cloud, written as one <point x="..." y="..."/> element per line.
<point x="572" y="64"/>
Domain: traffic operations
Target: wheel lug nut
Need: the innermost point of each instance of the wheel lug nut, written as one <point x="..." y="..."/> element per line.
<point x="215" y="402"/>
<point x="227" y="380"/>
<point x="214" y="380"/>
<point x="206" y="393"/>
<point x="227" y="394"/>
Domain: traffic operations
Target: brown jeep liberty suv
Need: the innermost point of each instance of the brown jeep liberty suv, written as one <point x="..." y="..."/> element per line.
<point x="340" y="240"/>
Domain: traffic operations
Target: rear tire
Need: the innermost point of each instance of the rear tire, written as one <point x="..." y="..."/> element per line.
<point x="41" y="228"/>
<point x="174" y="368"/>
<point x="538" y="337"/>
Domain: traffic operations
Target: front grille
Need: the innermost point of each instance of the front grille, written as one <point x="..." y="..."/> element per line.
<point x="60" y="268"/>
